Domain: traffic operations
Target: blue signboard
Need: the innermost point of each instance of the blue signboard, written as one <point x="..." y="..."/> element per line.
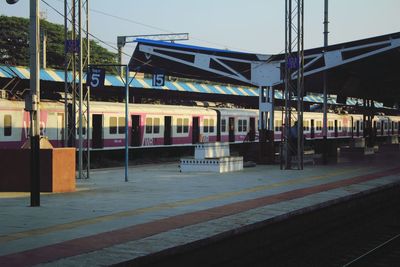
<point x="95" y="78"/>
<point x="292" y="63"/>
<point x="72" y="46"/>
<point x="158" y="78"/>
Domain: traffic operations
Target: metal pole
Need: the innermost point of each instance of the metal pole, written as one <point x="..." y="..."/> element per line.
<point x="120" y="59"/>
<point x="44" y="48"/>
<point x="65" y="75"/>
<point x="88" y="133"/>
<point x="325" y="106"/>
<point x="126" y="121"/>
<point x="80" y="154"/>
<point x="34" y="40"/>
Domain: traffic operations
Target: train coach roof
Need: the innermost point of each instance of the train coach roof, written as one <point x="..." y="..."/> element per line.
<point x="154" y="109"/>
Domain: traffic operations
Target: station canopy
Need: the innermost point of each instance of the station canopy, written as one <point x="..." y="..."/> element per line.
<point x="367" y="68"/>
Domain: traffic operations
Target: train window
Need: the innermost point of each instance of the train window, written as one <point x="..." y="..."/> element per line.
<point x="121" y="125"/>
<point x="179" y="128"/>
<point x="205" y="126"/>
<point x="113" y="125"/>
<point x="330" y="125"/>
<point x="242" y="125"/>
<point x="306" y="126"/>
<point x="318" y="125"/>
<point x="385" y="125"/>
<point x="182" y="125"/>
<point x="223" y="125"/>
<point x="185" y="125"/>
<point x="361" y="125"/>
<point x="7" y="125"/>
<point x="149" y="125"/>
<point x="339" y="126"/>
<point x="278" y="126"/>
<point x="378" y="125"/>
<point x="211" y="128"/>
<point x="396" y="126"/>
<point x="156" y="125"/>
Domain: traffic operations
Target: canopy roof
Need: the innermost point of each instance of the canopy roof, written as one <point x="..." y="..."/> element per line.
<point x="367" y="68"/>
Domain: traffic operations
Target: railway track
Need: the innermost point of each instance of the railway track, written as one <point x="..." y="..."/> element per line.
<point x="385" y="254"/>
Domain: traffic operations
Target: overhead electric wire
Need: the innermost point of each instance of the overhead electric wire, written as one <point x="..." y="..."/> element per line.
<point x="115" y="48"/>
<point x="159" y="29"/>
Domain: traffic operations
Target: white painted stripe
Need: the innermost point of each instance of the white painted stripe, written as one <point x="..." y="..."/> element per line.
<point x="206" y="88"/>
<point x="177" y="85"/>
<point x="25" y="72"/>
<point x="54" y="75"/>
<point x="142" y="82"/>
<point x="242" y="90"/>
<point x="229" y="89"/>
<point x="107" y="82"/>
<point x="191" y="86"/>
<point x="219" y="89"/>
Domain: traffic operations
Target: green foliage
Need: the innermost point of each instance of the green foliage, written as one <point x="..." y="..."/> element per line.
<point x="14" y="44"/>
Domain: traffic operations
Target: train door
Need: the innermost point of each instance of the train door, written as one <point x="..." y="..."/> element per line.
<point x="392" y="127"/>
<point x="97" y="134"/>
<point x="135" y="131"/>
<point x="195" y="130"/>
<point x="60" y="128"/>
<point x="231" y="129"/>
<point x="358" y="128"/>
<point x="336" y="128"/>
<point x="218" y="126"/>
<point x="382" y="125"/>
<point x="252" y="132"/>
<point x="167" y="130"/>
<point x="312" y="132"/>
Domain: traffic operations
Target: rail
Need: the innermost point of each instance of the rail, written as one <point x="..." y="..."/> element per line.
<point x="370" y="252"/>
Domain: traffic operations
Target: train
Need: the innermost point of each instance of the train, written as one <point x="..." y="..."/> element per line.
<point x="155" y="125"/>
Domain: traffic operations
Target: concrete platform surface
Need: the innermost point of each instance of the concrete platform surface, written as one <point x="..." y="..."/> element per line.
<point x="108" y="221"/>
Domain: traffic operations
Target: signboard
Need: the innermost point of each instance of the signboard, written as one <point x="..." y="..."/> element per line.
<point x="95" y="78"/>
<point x="158" y="78"/>
<point x="293" y="63"/>
<point x="72" y="46"/>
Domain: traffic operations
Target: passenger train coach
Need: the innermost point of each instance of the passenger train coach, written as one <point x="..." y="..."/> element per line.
<point x="167" y="125"/>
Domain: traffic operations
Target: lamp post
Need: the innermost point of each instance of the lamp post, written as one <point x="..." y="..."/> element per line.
<point x="35" y="101"/>
<point x="33" y="105"/>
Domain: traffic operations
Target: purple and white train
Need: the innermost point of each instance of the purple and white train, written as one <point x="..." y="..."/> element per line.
<point x="166" y="125"/>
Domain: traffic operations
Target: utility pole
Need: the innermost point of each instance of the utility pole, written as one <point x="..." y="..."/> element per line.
<point x="34" y="84"/>
<point x="77" y="119"/>
<point x="294" y="84"/>
<point x="325" y="105"/>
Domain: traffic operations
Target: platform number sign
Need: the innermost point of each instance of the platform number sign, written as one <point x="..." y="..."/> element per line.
<point x="158" y="78"/>
<point x="292" y="63"/>
<point x="96" y="78"/>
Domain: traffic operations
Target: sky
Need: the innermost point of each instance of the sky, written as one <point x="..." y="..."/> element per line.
<point x="256" y="26"/>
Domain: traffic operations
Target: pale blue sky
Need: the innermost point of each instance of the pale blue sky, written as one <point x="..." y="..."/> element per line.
<point x="252" y="25"/>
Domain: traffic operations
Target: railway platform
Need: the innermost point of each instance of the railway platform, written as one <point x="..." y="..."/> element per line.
<point x="160" y="210"/>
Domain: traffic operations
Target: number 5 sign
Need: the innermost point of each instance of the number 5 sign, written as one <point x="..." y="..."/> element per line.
<point x="95" y="78"/>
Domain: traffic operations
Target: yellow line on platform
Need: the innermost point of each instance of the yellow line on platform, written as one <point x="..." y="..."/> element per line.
<point x="164" y="206"/>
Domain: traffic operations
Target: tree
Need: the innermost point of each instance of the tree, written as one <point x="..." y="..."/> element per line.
<point x="14" y="44"/>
